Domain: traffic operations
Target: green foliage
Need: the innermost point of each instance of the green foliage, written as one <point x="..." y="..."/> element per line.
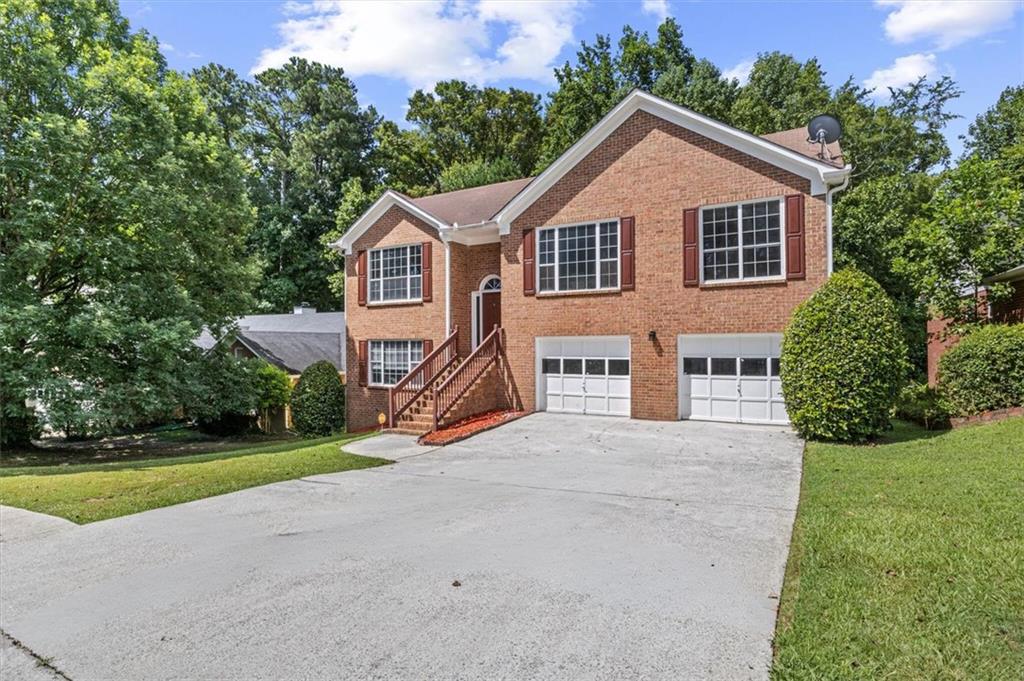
<point x="921" y="404"/>
<point x="701" y="87"/>
<point x="971" y="228"/>
<point x="114" y="252"/>
<point x="354" y="202"/>
<point x="318" y="401"/>
<point x="223" y="395"/>
<point x="781" y="94"/>
<point x="998" y="134"/>
<point x="272" y="386"/>
<point x="477" y="173"/>
<point x="985" y="370"/>
<point x="843" y="360"/>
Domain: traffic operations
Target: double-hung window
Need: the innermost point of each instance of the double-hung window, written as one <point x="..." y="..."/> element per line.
<point x="578" y="257"/>
<point x="742" y="241"/>
<point x="396" y="274"/>
<point x="391" y="360"/>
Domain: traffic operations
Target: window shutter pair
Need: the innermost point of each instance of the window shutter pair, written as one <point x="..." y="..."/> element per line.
<point x="426" y="271"/>
<point x="627" y="255"/>
<point x="794" y="242"/>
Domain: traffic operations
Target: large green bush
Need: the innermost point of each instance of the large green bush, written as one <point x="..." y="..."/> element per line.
<point x="227" y="392"/>
<point x="922" y="404"/>
<point x="985" y="370"/>
<point x="318" y="401"/>
<point x="844" y="360"/>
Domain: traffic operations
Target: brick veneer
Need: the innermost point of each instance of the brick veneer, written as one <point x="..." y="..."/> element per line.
<point x="380" y="322"/>
<point x="653" y="170"/>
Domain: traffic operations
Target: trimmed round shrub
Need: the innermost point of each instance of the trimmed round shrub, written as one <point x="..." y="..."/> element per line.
<point x="844" y="360"/>
<point x="985" y="370"/>
<point x="318" y="401"/>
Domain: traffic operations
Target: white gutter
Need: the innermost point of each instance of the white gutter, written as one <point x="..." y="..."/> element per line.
<point x="828" y="217"/>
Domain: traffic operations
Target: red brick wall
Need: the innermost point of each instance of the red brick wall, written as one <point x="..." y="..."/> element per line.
<point x="470" y="264"/>
<point x="653" y="170"/>
<point x="1010" y="311"/>
<point x="380" y="322"/>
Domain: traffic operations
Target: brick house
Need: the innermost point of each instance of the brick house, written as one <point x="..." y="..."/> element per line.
<point x="1008" y="311"/>
<point x="648" y="272"/>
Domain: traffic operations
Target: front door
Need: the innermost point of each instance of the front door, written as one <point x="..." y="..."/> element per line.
<point x="490" y="312"/>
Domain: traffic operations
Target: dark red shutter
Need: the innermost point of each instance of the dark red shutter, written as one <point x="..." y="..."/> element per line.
<point x="363" y="364"/>
<point x="427" y="269"/>
<point x="690" y="259"/>
<point x="529" y="288"/>
<point x="361" y="274"/>
<point x="627" y="229"/>
<point x="795" y="263"/>
<point x="428" y="346"/>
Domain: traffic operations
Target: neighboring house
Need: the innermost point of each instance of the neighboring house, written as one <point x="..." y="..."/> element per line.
<point x="290" y="342"/>
<point x="1009" y="311"/>
<point x="648" y="272"/>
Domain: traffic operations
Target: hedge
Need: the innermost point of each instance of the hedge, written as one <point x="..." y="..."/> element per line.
<point x="318" y="401"/>
<point x="985" y="370"/>
<point x="844" y="360"/>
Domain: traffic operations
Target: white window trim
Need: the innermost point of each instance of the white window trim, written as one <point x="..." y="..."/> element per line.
<point x="741" y="279"/>
<point x="408" y="277"/>
<point x="597" y="224"/>
<point x="369" y="359"/>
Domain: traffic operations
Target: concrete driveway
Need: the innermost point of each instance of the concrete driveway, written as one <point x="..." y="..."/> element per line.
<point x="586" y="547"/>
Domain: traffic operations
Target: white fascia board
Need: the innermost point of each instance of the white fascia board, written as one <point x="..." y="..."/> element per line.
<point x="376" y="212"/>
<point x="821" y="175"/>
<point x="1009" y="275"/>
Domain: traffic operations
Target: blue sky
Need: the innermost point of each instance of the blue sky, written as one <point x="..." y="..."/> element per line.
<point x="390" y="49"/>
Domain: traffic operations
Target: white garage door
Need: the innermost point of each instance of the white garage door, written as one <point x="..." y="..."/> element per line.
<point x="731" y="378"/>
<point x="584" y="375"/>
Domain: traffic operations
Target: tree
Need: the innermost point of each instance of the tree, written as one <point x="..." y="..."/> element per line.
<point x="998" y="134"/>
<point x="477" y="173"/>
<point x="318" y="401"/>
<point x="970" y="229"/>
<point x="306" y="136"/>
<point x="124" y="217"/>
<point x="781" y="94"/>
<point x="600" y="79"/>
<point x="354" y="202"/>
<point x="700" y="87"/>
<point x="870" y="225"/>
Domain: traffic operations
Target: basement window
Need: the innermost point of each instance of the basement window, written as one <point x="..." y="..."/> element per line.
<point x="392" y="360"/>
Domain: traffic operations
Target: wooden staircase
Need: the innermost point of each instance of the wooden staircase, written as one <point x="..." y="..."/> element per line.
<point x="418" y="418"/>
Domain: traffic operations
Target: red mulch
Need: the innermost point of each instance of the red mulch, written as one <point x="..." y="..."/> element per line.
<point x="468" y="427"/>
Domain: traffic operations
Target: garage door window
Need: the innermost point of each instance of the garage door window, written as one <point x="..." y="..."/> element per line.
<point x="723" y="366"/>
<point x="552" y="365"/>
<point x="572" y="367"/>
<point x="695" y="366"/>
<point x="775" y="366"/>
<point x="753" y="366"/>
<point x="595" y="367"/>
<point x="618" y="367"/>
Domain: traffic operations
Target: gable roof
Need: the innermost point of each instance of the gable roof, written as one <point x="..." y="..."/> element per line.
<point x="502" y="202"/>
<point x="821" y="174"/>
<point x="471" y="206"/>
<point x="307" y="321"/>
<point x="294" y="351"/>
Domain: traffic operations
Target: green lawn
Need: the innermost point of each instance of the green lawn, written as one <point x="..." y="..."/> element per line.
<point x="90" y="492"/>
<point x="908" y="559"/>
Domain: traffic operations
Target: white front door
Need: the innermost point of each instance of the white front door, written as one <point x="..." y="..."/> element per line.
<point x="731" y="377"/>
<point x="584" y="375"/>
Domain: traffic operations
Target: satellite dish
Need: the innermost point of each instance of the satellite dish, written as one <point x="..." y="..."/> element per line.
<point x="824" y="130"/>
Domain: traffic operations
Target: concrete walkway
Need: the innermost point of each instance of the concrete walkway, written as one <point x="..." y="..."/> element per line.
<point x="553" y="547"/>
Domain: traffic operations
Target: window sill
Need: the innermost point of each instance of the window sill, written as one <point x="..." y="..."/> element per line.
<point x="395" y="303"/>
<point x="733" y="283"/>
<point x="569" y="294"/>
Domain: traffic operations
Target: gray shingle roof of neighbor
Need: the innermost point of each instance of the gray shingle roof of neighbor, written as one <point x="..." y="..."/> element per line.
<point x="294" y="351"/>
<point x="471" y="206"/>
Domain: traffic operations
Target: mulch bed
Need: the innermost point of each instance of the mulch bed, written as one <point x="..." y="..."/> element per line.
<point x="469" y="427"/>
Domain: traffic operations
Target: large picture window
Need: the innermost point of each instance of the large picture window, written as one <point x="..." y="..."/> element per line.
<point x="742" y="241"/>
<point x="578" y="257"/>
<point x="391" y="360"/>
<point x="396" y="274"/>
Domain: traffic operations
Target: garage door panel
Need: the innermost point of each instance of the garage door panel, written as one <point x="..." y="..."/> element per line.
<point x="729" y="377"/>
<point x="593" y="375"/>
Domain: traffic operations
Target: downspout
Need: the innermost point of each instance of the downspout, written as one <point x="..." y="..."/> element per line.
<point x="828" y="217"/>
<point x="447" y="287"/>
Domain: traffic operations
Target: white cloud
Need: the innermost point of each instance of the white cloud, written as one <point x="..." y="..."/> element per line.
<point x="741" y="71"/>
<point x="658" y="8"/>
<point x="423" y="42"/>
<point x="167" y="47"/>
<point x="901" y="72"/>
<point x="947" y="22"/>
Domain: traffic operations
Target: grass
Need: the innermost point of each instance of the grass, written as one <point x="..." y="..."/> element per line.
<point x="86" y="493"/>
<point x="907" y="559"/>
